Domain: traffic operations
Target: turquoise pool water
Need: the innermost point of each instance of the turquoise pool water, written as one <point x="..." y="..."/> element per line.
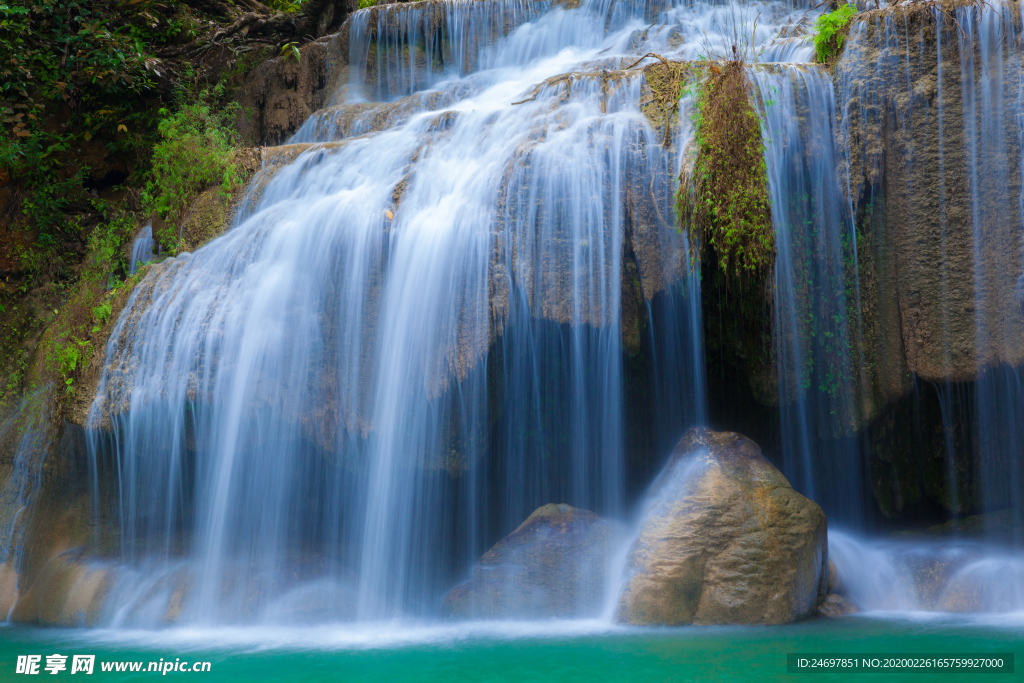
<point x="517" y="652"/>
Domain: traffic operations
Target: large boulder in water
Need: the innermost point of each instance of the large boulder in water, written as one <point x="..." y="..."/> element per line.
<point x="554" y="565"/>
<point x="724" y="540"/>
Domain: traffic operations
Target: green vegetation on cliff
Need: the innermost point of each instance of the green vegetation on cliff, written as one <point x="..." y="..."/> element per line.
<point x="67" y="341"/>
<point x="723" y="200"/>
<point x="112" y="112"/>
<point x="831" y="31"/>
<point x="197" y="149"/>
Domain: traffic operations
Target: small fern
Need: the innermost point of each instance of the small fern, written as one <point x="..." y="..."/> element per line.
<point x="831" y="32"/>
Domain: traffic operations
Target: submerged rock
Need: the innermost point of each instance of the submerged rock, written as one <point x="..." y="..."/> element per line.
<point x="835" y="605"/>
<point x="835" y="580"/>
<point x="725" y="540"/>
<point x="554" y="565"/>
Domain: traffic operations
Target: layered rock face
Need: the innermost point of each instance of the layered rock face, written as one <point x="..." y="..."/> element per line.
<point x="725" y="540"/>
<point x="280" y="94"/>
<point x="929" y="121"/>
<point x="554" y="565"/>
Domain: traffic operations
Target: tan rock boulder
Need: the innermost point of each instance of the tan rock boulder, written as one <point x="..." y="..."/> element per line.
<point x="724" y="540"/>
<point x="69" y="592"/>
<point x="8" y="588"/>
<point x="554" y="565"/>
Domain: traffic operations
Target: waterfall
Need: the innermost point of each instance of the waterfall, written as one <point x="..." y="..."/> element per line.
<point x="142" y="248"/>
<point x="815" y="295"/>
<point x="891" y="576"/>
<point x="27" y="436"/>
<point x="993" y="74"/>
<point x="458" y="293"/>
<point x="427" y="321"/>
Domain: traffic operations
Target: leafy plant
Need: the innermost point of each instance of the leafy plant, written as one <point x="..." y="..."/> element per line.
<point x="831" y="30"/>
<point x="289" y="6"/>
<point x="68" y="357"/>
<point x="101" y="314"/>
<point x="94" y="80"/>
<point x="68" y="344"/>
<point x="196" y="150"/>
<point x="291" y="50"/>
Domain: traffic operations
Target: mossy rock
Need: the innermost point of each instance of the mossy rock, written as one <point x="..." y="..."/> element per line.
<point x="209" y="218"/>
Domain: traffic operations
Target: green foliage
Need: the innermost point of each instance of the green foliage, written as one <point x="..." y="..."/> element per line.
<point x="67" y="356"/>
<point x="196" y="150"/>
<point x="723" y="200"/>
<point x="88" y="306"/>
<point x="15" y="318"/>
<point x="101" y="314"/>
<point x="291" y="50"/>
<point x="106" y="256"/>
<point x="73" y="84"/>
<point x="831" y="30"/>
<point x="290" y="6"/>
<point x="363" y="4"/>
<point x="81" y="85"/>
<point x="82" y="53"/>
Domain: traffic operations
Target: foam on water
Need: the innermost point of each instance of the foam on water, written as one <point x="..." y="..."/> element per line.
<point x="930" y="579"/>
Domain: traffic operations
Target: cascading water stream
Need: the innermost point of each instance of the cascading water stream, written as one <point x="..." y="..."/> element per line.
<point x="462" y="297"/>
<point x="142" y="249"/>
<point x="26" y="432"/>
<point x="322" y="396"/>
<point x="815" y="290"/>
<point x="928" y="576"/>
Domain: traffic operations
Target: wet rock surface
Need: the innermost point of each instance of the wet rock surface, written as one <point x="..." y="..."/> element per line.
<point x="8" y="588"/>
<point x="939" y="262"/>
<point x="835" y="605"/>
<point x="280" y="94"/>
<point x="725" y="540"/>
<point x="69" y="592"/>
<point x="554" y="565"/>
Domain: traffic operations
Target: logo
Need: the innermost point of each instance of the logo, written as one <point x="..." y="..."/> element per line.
<point x="55" y="663"/>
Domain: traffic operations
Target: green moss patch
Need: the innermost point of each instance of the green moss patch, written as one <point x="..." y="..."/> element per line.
<point x="723" y="199"/>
